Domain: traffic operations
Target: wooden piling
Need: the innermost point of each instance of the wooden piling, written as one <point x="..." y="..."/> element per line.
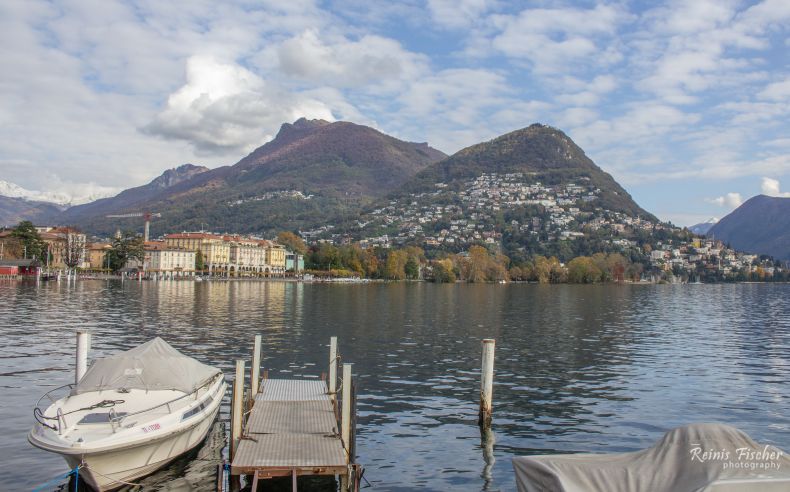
<point x="255" y="368"/>
<point x="83" y="344"/>
<point x="346" y="414"/>
<point x="486" y="383"/>
<point x="237" y="408"/>
<point x="333" y="368"/>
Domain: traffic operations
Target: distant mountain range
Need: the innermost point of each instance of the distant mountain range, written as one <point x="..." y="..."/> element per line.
<point x="703" y="227"/>
<point x="312" y="172"/>
<point x="11" y="190"/>
<point x="315" y="173"/>
<point x="14" y="210"/>
<point x="760" y="225"/>
<point x="133" y="198"/>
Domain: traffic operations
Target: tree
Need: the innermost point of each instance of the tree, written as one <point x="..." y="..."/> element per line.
<point x="541" y="269"/>
<point x="478" y="264"/>
<point x="32" y="244"/>
<point x="74" y="249"/>
<point x="292" y="242"/>
<point x="395" y="268"/>
<point x="412" y="268"/>
<point x="583" y="270"/>
<point x="200" y="262"/>
<point x="443" y="271"/>
<point x="127" y="247"/>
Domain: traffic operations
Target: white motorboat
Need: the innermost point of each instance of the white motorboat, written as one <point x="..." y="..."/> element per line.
<point x="130" y="414"/>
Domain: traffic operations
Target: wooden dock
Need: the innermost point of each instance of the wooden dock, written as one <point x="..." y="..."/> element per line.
<point x="290" y="427"/>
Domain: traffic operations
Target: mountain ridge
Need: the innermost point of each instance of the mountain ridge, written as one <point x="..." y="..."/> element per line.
<point x="339" y="165"/>
<point x="760" y="225"/>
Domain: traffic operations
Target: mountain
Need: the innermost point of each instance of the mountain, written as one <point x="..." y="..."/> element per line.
<point x="139" y="197"/>
<point x="703" y="227"/>
<point x="311" y="173"/>
<point x="544" y="153"/>
<point x="14" y="210"/>
<point x="761" y="225"/>
<point x="63" y="200"/>
<point x="529" y="191"/>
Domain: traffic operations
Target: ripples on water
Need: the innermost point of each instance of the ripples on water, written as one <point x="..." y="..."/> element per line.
<point x="578" y="368"/>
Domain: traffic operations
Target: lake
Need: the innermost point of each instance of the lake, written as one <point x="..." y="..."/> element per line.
<point x="578" y="368"/>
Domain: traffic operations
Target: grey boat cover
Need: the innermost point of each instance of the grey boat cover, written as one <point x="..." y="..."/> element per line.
<point x="694" y="458"/>
<point x="154" y="365"/>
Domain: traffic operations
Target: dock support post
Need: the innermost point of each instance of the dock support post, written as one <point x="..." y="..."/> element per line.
<point x="255" y="370"/>
<point x="346" y="415"/>
<point x="486" y="383"/>
<point x="237" y="408"/>
<point x="83" y="342"/>
<point x="333" y="368"/>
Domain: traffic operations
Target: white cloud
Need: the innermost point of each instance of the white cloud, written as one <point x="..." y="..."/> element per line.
<point x="458" y="13"/>
<point x="224" y="106"/>
<point x="558" y="40"/>
<point x="730" y="200"/>
<point x="344" y="63"/>
<point x="777" y="91"/>
<point x="770" y="187"/>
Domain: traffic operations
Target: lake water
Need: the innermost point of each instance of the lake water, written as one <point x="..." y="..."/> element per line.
<point x="578" y="368"/>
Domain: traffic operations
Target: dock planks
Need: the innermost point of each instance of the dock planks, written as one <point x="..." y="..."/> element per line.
<point x="292" y="428"/>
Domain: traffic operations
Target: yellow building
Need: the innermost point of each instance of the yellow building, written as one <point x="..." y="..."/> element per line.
<point x="214" y="248"/>
<point x="275" y="256"/>
<point x="96" y="255"/>
<point x="232" y="255"/>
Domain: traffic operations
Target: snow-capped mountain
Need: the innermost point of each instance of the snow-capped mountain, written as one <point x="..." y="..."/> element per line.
<point x="703" y="227"/>
<point x="64" y="200"/>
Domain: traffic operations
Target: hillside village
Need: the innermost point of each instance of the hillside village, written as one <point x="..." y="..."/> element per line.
<point x="484" y="212"/>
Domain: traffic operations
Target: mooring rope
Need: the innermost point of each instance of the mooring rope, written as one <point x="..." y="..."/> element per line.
<point x="75" y="472"/>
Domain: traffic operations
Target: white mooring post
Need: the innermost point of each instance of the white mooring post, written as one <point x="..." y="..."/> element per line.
<point x="237" y="408"/>
<point x="346" y="414"/>
<point x="486" y="383"/>
<point x="255" y="370"/>
<point x="333" y="368"/>
<point x="83" y="344"/>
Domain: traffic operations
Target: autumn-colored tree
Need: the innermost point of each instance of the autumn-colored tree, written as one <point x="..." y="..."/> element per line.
<point x="478" y="264"/>
<point x="370" y="262"/>
<point x="292" y="242"/>
<point x="617" y="264"/>
<point x="582" y="270"/>
<point x="443" y="271"/>
<point x="395" y="268"/>
<point x="541" y="269"/>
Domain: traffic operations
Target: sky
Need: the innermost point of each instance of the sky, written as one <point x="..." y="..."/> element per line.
<point x="686" y="104"/>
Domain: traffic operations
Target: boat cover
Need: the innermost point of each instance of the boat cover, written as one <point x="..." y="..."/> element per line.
<point x="694" y="458"/>
<point x="154" y="365"/>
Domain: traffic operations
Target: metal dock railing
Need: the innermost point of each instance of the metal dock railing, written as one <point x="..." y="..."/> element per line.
<point x="290" y="427"/>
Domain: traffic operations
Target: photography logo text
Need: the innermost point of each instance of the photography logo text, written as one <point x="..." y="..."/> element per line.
<point x="767" y="458"/>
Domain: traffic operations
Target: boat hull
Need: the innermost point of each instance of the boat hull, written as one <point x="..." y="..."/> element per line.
<point x="108" y="470"/>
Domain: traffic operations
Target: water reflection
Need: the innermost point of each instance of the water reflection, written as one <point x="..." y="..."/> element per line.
<point x="578" y="368"/>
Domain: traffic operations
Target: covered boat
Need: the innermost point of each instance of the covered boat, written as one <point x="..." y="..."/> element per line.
<point x="130" y="414"/>
<point x="694" y="458"/>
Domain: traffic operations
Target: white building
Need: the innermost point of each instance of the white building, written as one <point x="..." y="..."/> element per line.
<point x="168" y="262"/>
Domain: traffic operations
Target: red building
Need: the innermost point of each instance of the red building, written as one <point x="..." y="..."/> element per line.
<point x="19" y="267"/>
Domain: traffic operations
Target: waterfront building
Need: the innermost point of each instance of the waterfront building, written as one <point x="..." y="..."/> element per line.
<point x="247" y="257"/>
<point x="96" y="255"/>
<point x="294" y="262"/>
<point x="167" y="261"/>
<point x="233" y="255"/>
<point x="214" y="249"/>
<point x="275" y="256"/>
